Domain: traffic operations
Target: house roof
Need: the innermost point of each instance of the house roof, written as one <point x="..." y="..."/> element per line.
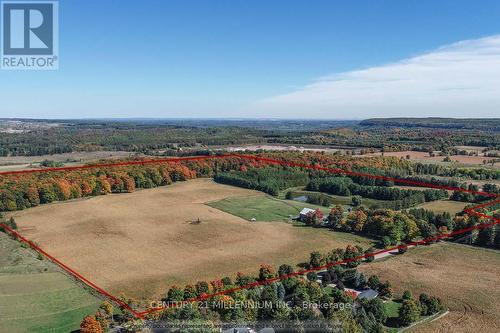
<point x="368" y="294"/>
<point x="306" y="211"/>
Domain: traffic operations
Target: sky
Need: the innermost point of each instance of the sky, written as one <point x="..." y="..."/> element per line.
<point x="266" y="59"/>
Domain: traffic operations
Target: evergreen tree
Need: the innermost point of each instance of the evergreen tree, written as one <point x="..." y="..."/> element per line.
<point x="374" y="282"/>
<point x="316" y="259"/>
<point x="285" y="270"/>
<point x="496" y="240"/>
<point x="485" y="237"/>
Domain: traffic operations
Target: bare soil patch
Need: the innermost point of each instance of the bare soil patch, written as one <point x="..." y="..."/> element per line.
<point x="143" y="242"/>
<point x="442" y="206"/>
<point x="465" y="278"/>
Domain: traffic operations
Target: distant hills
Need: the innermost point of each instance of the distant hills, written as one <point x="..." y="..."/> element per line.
<point x="455" y="123"/>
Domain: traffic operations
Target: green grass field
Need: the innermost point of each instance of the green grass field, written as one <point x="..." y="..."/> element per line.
<point x="392" y="308"/>
<point x="35" y="297"/>
<point x="263" y="208"/>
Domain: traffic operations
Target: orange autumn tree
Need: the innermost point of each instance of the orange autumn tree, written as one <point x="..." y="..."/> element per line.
<point x="356" y="220"/>
<point x="217" y="285"/>
<point x="90" y="324"/>
<point x="63" y="189"/>
<point x="33" y="196"/>
<point x="266" y="272"/>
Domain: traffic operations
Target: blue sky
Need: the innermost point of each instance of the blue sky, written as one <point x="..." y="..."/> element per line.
<point x="273" y="59"/>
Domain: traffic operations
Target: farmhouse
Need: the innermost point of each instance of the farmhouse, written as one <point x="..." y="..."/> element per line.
<point x="368" y="294"/>
<point x="303" y="213"/>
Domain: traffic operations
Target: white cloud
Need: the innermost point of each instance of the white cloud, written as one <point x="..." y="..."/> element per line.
<point x="457" y="80"/>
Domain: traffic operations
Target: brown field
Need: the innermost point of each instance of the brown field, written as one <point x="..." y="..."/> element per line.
<point x="416" y="188"/>
<point x="424" y="157"/>
<point x="441" y="206"/>
<point x="465" y="278"/>
<point x="143" y="242"/>
<point x="9" y="163"/>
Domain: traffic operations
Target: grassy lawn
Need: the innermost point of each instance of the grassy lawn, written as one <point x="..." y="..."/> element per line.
<point x="35" y="297"/>
<point x="328" y="290"/>
<point x="263" y="208"/>
<point x="268" y="208"/>
<point x="392" y="308"/>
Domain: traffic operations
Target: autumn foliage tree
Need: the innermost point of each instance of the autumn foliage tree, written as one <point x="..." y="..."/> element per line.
<point x="266" y="272"/>
<point x="107" y="308"/>
<point x="352" y="252"/>
<point x="315" y="218"/>
<point x="335" y="217"/>
<point x="190" y="292"/>
<point x="356" y="220"/>
<point x="27" y="190"/>
<point x="90" y="325"/>
<point x="316" y="259"/>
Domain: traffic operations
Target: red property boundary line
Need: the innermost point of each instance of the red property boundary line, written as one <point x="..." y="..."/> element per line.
<point x="141" y="315"/>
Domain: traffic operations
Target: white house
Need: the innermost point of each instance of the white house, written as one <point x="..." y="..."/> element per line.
<point x="303" y="213"/>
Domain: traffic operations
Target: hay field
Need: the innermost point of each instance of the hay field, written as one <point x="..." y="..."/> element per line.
<point x="465" y="278"/>
<point x="143" y="242"/>
<point x="441" y="206"/>
<point x="12" y="163"/>
<point x="425" y="158"/>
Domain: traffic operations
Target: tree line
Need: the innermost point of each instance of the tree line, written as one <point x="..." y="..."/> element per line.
<point x="22" y="191"/>
<point x="401" y="198"/>
<point x="294" y="300"/>
<point x="396" y="227"/>
<point x="270" y="180"/>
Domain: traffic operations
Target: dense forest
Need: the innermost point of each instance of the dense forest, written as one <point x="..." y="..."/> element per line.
<point x="69" y="137"/>
<point x="40" y="137"/>
<point x="492" y="124"/>
<point x="270" y="180"/>
<point x="401" y="198"/>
